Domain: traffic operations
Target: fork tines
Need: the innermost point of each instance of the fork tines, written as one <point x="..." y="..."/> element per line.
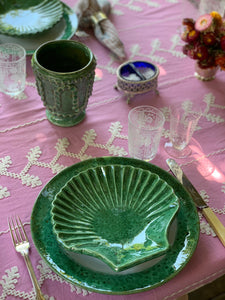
<point x="17" y="226"/>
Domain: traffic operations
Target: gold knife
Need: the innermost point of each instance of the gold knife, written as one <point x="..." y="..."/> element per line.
<point x="199" y="202"/>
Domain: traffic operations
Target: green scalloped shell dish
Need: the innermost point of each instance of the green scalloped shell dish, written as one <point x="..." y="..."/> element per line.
<point x="29" y="17"/>
<point x="93" y="274"/>
<point x="118" y="214"/>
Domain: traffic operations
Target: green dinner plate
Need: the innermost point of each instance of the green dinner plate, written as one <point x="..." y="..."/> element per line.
<point x="91" y="273"/>
<point x="63" y="30"/>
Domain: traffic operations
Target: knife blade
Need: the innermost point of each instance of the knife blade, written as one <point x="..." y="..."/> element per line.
<point x="199" y="202"/>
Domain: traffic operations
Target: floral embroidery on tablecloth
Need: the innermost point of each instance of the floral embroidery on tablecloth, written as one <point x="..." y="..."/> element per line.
<point x="136" y="51"/>
<point x="204" y="226"/>
<point x="132" y="5"/>
<point x="34" y="155"/>
<point x="156" y="47"/>
<point x="12" y="276"/>
<point x="223" y="188"/>
<point x="4" y="193"/>
<point x="89" y="137"/>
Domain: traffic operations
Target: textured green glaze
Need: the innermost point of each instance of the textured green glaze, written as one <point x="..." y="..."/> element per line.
<point x="64" y="72"/>
<point x="119" y="214"/>
<point x="29" y="17"/>
<point x="164" y="268"/>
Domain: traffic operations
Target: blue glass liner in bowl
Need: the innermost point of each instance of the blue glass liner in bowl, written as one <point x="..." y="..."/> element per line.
<point x="142" y="69"/>
<point x="137" y="77"/>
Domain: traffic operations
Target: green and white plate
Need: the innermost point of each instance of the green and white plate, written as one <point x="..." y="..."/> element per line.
<point x="119" y="214"/>
<point x="64" y="29"/>
<point x="29" y="17"/>
<point x="93" y="274"/>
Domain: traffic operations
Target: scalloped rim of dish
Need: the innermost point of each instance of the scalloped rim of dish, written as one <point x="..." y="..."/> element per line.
<point x="63" y="30"/>
<point x="13" y="28"/>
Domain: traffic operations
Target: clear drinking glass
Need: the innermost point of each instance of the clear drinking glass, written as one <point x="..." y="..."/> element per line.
<point x="183" y="120"/>
<point x="12" y="69"/>
<point x="145" y="125"/>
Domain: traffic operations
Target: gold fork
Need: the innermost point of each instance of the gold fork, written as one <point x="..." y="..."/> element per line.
<point x="22" y="245"/>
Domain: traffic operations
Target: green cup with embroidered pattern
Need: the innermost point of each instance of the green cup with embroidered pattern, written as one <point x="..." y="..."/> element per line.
<point x="64" y="71"/>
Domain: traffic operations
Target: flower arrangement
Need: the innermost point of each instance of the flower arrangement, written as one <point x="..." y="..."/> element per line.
<point x="205" y="40"/>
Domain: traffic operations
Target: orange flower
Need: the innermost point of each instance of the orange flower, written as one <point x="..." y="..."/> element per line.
<point x="220" y="61"/>
<point x="217" y="17"/>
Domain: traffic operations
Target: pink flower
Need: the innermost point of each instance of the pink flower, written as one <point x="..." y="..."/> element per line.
<point x="203" y="22"/>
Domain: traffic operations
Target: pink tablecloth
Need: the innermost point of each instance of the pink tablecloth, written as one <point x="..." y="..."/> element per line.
<point x="32" y="150"/>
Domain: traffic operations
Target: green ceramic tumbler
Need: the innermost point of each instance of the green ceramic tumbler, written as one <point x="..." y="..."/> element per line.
<point x="64" y="71"/>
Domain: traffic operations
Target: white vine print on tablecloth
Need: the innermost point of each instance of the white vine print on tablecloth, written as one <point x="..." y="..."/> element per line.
<point x="34" y="155"/>
<point x="12" y="276"/>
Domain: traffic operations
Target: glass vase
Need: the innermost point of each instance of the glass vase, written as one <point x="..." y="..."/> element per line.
<point x="205" y="74"/>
